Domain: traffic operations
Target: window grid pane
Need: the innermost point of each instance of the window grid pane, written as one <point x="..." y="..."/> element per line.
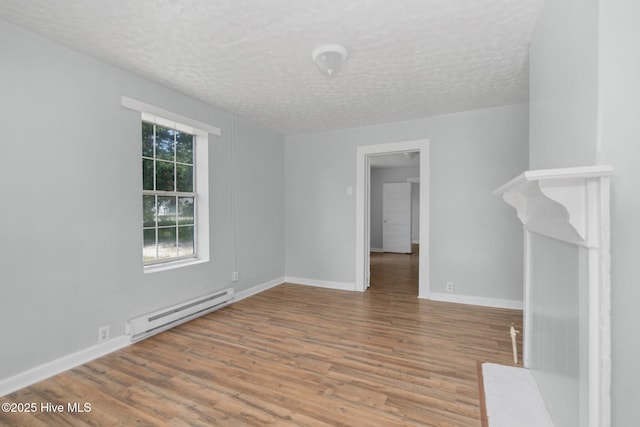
<point x="150" y="247"/>
<point x="168" y="170"/>
<point x="185" y="241"/>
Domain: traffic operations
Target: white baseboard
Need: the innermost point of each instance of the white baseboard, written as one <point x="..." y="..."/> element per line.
<point x="257" y="289"/>
<point x="49" y="369"/>
<point x="343" y="286"/>
<point x="473" y="300"/>
<point x="415" y="242"/>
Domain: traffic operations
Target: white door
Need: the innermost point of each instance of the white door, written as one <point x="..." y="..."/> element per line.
<point x="396" y="217"/>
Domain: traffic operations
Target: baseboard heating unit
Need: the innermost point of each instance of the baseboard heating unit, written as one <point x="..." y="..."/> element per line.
<point x="166" y="318"/>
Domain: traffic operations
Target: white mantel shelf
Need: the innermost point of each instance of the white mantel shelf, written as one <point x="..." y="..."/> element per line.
<point x="572" y="205"/>
<point x="556" y="202"/>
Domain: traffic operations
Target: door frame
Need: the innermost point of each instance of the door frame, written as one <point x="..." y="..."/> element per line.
<point x="363" y="214"/>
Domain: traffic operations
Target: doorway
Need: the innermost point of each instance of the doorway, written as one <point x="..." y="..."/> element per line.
<point x="363" y="214"/>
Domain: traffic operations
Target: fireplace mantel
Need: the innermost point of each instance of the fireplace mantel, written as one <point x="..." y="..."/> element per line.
<point x="572" y="205"/>
<point x="555" y="202"/>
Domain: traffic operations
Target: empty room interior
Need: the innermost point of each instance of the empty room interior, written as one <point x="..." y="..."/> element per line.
<point x="318" y="213"/>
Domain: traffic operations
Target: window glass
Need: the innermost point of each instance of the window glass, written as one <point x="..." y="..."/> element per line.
<point x="168" y="200"/>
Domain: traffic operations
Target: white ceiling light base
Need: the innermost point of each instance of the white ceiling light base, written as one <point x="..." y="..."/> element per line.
<point x="329" y="58"/>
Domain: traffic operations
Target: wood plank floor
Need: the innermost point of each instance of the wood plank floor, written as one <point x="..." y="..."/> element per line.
<point x="295" y="356"/>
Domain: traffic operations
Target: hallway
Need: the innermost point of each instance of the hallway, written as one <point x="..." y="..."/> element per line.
<point x="395" y="273"/>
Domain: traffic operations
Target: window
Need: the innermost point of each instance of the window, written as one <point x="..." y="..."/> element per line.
<point x="175" y="187"/>
<point x="169" y="195"/>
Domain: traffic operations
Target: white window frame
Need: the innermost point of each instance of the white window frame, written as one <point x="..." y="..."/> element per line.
<point x="201" y="131"/>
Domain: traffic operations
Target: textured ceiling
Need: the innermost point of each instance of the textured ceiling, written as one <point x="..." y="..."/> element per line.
<point x="407" y="58"/>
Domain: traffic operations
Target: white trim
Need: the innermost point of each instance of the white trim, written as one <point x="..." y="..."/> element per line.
<point x="142" y="107"/>
<point x="362" y="241"/>
<point x="527" y="317"/>
<point x="363" y="220"/>
<point x="599" y="260"/>
<point x="376" y="250"/>
<point x="170" y="265"/>
<point x="257" y="289"/>
<point x="343" y="286"/>
<point x="70" y="361"/>
<point x="596" y="171"/>
<point x="474" y="300"/>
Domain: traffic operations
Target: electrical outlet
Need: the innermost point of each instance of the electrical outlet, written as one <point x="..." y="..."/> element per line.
<point x="234" y="276"/>
<point x="103" y="334"/>
<point x="449" y="286"/>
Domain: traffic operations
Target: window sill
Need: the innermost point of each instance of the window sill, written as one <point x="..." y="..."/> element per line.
<point x="156" y="268"/>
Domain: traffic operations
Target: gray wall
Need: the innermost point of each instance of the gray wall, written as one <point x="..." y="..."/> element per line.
<point x="379" y="176"/>
<point x="476" y="241"/>
<point x="70" y="250"/>
<point x="619" y="69"/>
<point x="563" y="85"/>
<point x="599" y="75"/>
<point x="259" y="203"/>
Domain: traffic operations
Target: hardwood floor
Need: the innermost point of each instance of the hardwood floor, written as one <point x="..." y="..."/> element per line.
<point x="295" y="356"/>
<point x="395" y="273"/>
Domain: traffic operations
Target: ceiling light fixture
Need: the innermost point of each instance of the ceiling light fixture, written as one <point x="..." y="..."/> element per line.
<point x="329" y="58"/>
